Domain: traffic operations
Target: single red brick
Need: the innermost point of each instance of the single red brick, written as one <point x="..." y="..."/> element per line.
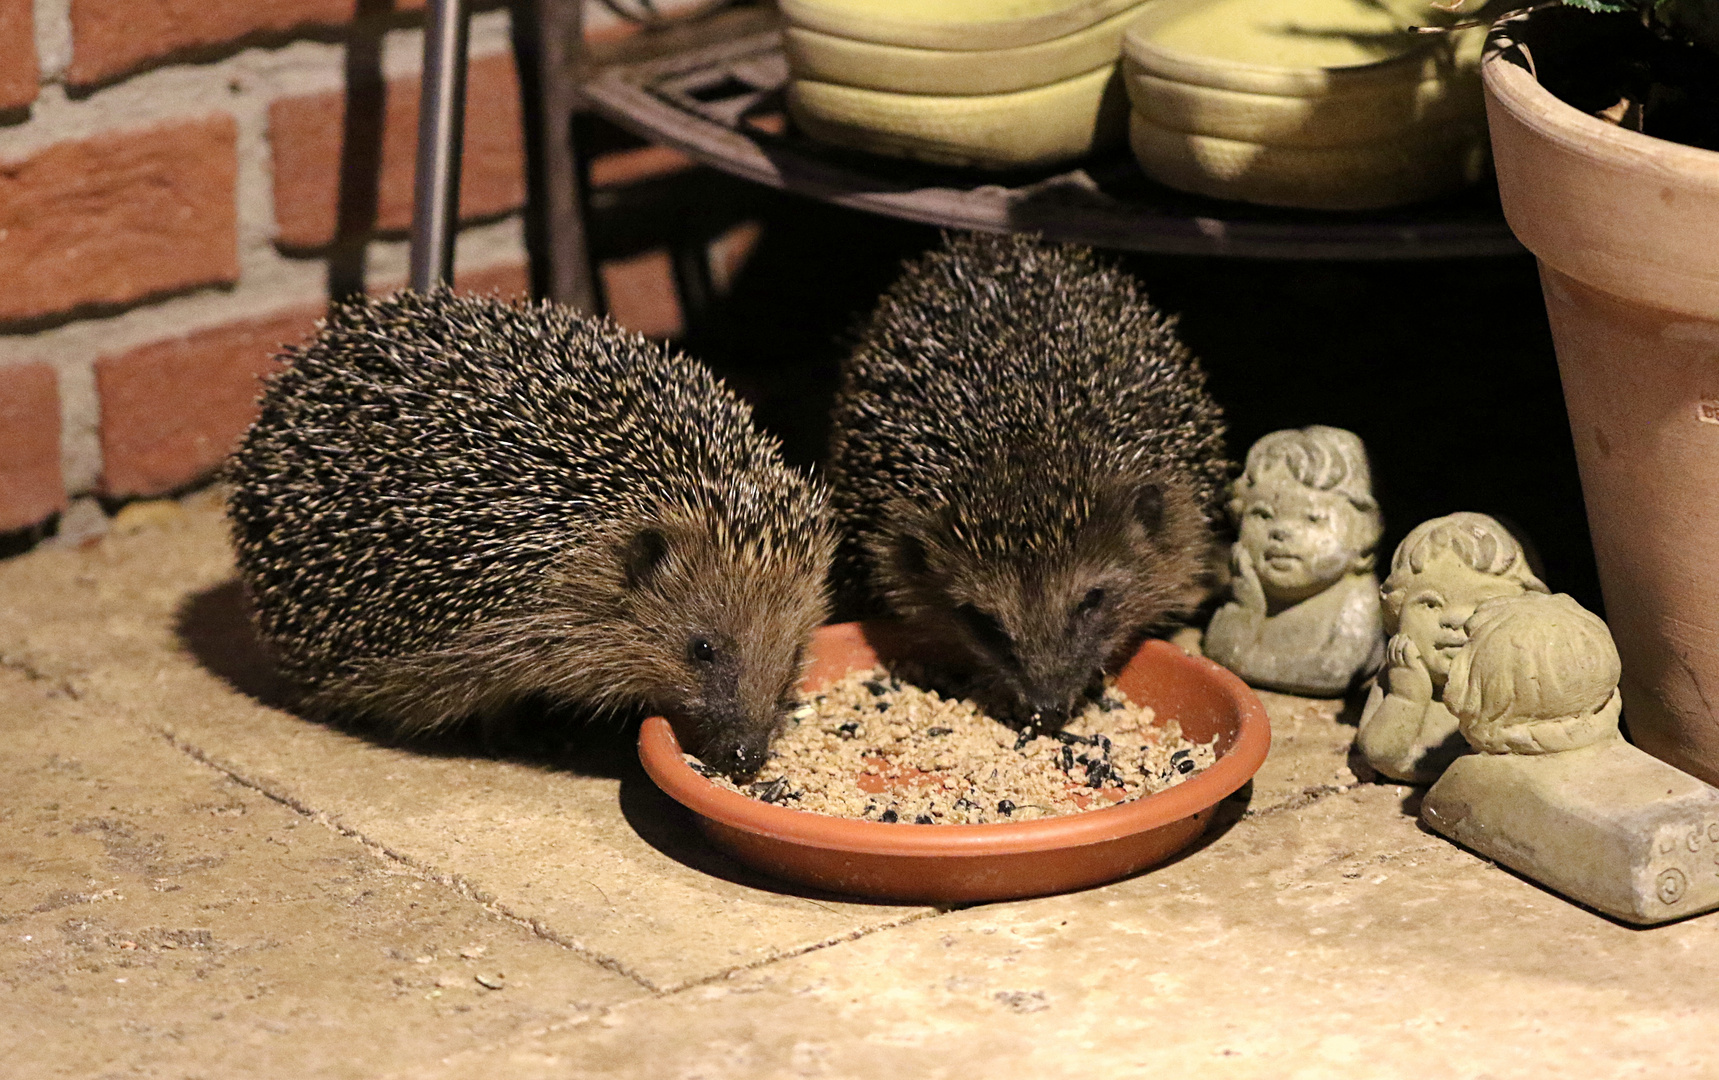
<point x="642" y="294"/>
<point x="172" y="410"/>
<point x="30" y="485"/>
<point x="508" y="281"/>
<point x="112" y="37"/>
<point x="19" y="73"/>
<point x="119" y="217"/>
<point x="628" y="166"/>
<point x="306" y="134"/>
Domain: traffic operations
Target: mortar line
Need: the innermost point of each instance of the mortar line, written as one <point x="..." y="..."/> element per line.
<point x="800" y="950"/>
<point x="429" y="873"/>
<point x="600" y="1011"/>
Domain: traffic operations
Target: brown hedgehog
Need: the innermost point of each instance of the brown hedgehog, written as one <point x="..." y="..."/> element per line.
<point x="451" y="504"/>
<point x="1025" y="462"/>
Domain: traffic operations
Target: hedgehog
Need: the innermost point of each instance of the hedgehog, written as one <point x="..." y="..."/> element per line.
<point x="451" y="506"/>
<point x="1025" y="464"/>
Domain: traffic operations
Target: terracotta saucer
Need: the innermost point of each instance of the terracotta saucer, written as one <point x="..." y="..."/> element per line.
<point x="960" y="863"/>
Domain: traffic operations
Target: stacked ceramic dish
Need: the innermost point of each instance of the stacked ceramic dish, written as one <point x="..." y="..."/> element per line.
<point x="1320" y="104"/>
<point x="959" y="82"/>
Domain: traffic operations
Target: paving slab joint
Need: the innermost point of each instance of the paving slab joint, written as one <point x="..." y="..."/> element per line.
<point x="427" y="873"/>
<point x="789" y="954"/>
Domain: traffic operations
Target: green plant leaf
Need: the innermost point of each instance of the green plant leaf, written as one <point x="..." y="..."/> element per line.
<point x="1603" y="6"/>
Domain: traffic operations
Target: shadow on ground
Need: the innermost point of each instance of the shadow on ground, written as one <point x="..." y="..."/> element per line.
<point x="214" y="626"/>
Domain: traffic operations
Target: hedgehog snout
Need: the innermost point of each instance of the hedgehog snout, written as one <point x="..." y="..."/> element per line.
<point x="734" y="746"/>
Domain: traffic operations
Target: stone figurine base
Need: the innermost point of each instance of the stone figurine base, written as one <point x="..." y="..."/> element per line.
<point x="1606" y="825"/>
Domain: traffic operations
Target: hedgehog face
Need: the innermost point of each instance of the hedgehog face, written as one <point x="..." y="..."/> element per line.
<point x="724" y="635"/>
<point x="1041" y="615"/>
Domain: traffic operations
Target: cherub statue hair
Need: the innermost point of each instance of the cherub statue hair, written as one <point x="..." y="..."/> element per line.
<point x="1478" y="540"/>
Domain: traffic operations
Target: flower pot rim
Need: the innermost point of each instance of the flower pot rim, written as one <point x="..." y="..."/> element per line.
<point x="661" y="755"/>
<point x="1508" y="74"/>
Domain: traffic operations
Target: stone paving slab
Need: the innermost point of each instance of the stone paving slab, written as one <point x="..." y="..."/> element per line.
<point x="1336" y="939"/>
<point x="598" y="860"/>
<point x="158" y="918"/>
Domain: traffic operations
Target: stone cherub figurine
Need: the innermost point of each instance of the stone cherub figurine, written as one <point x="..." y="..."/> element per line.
<point x="1553" y="791"/>
<point x="1441" y="572"/>
<point x="1303" y="615"/>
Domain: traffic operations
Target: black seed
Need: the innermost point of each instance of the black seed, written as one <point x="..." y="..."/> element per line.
<point x="939" y="731"/>
<point x="1067" y="759"/>
<point x="889" y="816"/>
<point x="923" y="819"/>
<point x="848" y="730"/>
<point x="1005" y="807"/>
<point x="877" y="689"/>
<point x="1027" y="735"/>
<point x="882" y="707"/>
<point x="1185" y="766"/>
<point x="701" y="768"/>
<point x="769" y="791"/>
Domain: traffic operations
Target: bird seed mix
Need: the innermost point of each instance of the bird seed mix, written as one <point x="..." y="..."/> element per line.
<point x="873" y="746"/>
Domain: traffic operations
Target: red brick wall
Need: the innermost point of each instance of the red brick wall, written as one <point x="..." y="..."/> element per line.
<point x="168" y="218"/>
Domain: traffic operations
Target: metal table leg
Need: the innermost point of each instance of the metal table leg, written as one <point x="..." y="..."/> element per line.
<point x="441" y="115"/>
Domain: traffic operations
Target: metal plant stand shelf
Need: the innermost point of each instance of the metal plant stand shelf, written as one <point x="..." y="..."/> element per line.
<point x="723" y="105"/>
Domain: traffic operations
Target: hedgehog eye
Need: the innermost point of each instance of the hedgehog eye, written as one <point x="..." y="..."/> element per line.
<point x="1091" y="602"/>
<point x="989" y="632"/>
<point x="701" y="651"/>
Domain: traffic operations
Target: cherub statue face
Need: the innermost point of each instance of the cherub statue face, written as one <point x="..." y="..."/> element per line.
<point x="1437" y="603"/>
<point x="1301" y="540"/>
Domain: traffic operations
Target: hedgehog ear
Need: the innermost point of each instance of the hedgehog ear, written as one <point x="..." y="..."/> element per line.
<point x="910" y="555"/>
<point x="642" y="555"/>
<point x="1148" y="506"/>
<point x="904" y="531"/>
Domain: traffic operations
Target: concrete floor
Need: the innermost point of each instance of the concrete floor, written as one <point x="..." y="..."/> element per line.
<point x="194" y="883"/>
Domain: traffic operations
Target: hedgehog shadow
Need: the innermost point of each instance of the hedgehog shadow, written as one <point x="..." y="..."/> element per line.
<point x="214" y="626"/>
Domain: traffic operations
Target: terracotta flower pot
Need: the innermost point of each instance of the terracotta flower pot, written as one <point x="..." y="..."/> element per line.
<point x="962" y="863"/>
<point x="1626" y="229"/>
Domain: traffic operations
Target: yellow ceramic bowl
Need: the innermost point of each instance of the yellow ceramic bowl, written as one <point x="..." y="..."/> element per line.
<point x="1040" y="126"/>
<point x="1297" y="48"/>
<point x="1333" y="119"/>
<point x="822" y="57"/>
<point x="951" y="24"/>
<point x="1420" y="164"/>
